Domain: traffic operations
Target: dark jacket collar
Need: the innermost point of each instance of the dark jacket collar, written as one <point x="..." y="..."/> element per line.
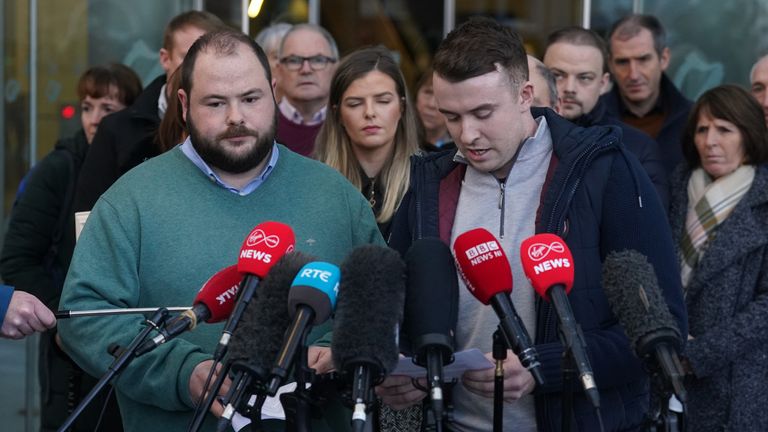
<point x="145" y="105"/>
<point x="672" y="101"/>
<point x="593" y="117"/>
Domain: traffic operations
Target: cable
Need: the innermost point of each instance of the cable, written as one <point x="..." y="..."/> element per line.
<point x="104" y="407"/>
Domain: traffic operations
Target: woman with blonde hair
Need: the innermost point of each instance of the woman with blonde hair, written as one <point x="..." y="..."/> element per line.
<point x="369" y="134"/>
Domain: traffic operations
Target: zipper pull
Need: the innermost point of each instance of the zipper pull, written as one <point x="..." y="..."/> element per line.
<point x="501" y="194"/>
<point x="502" y="183"/>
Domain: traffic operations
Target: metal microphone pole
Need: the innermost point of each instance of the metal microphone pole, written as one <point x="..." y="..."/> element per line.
<point x="63" y="314"/>
<point x="117" y="365"/>
<point x="499" y="354"/>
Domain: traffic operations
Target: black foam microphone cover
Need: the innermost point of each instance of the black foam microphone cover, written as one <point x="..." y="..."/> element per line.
<point x="633" y="293"/>
<point x="260" y="333"/>
<point x="431" y="299"/>
<point x="369" y="311"/>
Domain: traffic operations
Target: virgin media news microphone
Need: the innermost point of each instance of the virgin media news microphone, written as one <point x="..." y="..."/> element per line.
<point x="367" y="320"/>
<point x="431" y="311"/>
<point x="311" y="301"/>
<point x="548" y="264"/>
<point x="259" y="337"/>
<point x="632" y="289"/>
<point x="488" y="276"/>
<point x="213" y="303"/>
<point x="266" y="244"/>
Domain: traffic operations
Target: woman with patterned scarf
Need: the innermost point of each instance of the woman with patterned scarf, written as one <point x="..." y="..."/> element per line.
<point x="719" y="217"/>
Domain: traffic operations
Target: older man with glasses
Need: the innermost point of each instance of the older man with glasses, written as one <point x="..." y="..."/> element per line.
<point x="308" y="56"/>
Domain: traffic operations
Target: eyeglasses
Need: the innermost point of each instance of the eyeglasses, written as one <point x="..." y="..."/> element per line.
<point x="317" y="62"/>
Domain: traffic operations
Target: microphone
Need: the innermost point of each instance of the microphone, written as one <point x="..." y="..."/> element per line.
<point x="257" y="340"/>
<point x="366" y="326"/>
<point x="548" y="264"/>
<point x="633" y="293"/>
<point x="486" y="272"/>
<point x="311" y="301"/>
<point x="266" y="244"/>
<point x="213" y="303"/>
<point x="431" y="311"/>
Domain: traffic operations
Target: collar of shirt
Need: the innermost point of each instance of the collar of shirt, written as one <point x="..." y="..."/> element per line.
<point x="162" y="102"/>
<point x="292" y="114"/>
<point x="541" y="129"/>
<point x="190" y="152"/>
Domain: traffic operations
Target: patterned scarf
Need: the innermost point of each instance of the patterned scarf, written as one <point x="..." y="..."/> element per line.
<point x="709" y="204"/>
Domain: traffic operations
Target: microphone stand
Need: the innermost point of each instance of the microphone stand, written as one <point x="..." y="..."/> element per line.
<point x="499" y="354"/>
<point x="249" y="380"/>
<point x="298" y="404"/>
<point x="63" y="314"/>
<point x="569" y="384"/>
<point x="122" y="360"/>
<point x="204" y="405"/>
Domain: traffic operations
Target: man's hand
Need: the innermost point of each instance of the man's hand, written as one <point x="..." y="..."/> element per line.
<point x="398" y="391"/>
<point x="26" y="315"/>
<point x="518" y="382"/>
<point x="319" y="359"/>
<point x="197" y="380"/>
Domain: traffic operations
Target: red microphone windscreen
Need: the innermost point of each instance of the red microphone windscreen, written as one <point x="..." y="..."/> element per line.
<point x="219" y="293"/>
<point x="547" y="261"/>
<point x="482" y="264"/>
<point x="266" y="244"/>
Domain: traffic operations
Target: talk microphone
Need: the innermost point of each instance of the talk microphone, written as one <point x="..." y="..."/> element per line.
<point x="485" y="269"/>
<point x="632" y="289"/>
<point x="311" y="301"/>
<point x="266" y="244"/>
<point x="431" y="311"/>
<point x="259" y="337"/>
<point x="213" y="303"/>
<point x="367" y="320"/>
<point x="548" y="264"/>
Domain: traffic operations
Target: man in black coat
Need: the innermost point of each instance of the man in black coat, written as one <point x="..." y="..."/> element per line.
<point x="644" y="97"/>
<point x="127" y="138"/>
<point x="578" y="59"/>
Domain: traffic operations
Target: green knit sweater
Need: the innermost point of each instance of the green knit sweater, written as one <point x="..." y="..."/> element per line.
<point x="158" y="234"/>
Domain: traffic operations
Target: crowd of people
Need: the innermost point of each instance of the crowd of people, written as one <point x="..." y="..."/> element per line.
<point x="592" y="142"/>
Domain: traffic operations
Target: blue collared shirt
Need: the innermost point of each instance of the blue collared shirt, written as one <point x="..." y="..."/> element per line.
<point x="190" y="152"/>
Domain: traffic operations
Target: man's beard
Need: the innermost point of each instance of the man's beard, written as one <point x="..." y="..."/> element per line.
<point x="215" y="155"/>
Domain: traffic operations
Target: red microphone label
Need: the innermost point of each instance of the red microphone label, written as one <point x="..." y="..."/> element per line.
<point x="482" y="264"/>
<point x="229" y="294"/>
<point x="547" y="261"/>
<point x="540" y="251"/>
<point x="258" y="237"/>
<point x="484" y="252"/>
<point x="220" y="292"/>
<point x="265" y="244"/>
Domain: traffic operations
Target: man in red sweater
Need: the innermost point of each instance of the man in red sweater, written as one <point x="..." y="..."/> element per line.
<point x="308" y="56"/>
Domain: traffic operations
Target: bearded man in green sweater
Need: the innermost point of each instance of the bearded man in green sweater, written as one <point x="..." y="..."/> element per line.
<point x="169" y="224"/>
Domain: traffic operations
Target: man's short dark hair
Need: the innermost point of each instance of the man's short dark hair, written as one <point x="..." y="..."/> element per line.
<point x="576" y="35"/>
<point x="205" y="21"/>
<point x="630" y="25"/>
<point x="223" y="43"/>
<point x="733" y="104"/>
<point x="480" y="46"/>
